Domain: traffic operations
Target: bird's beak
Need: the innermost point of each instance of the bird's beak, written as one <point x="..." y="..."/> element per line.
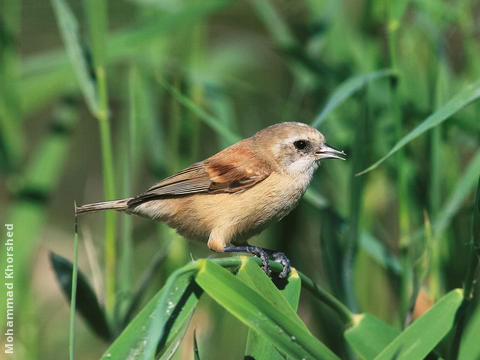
<point x="329" y="152"/>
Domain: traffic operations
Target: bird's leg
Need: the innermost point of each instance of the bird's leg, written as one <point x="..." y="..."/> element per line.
<point x="255" y="250"/>
<point x="264" y="254"/>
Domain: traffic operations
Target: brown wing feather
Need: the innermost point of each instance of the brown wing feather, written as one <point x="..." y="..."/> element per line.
<point x="232" y="170"/>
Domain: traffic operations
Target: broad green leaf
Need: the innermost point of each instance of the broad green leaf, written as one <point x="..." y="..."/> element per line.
<point x="426" y="332"/>
<point x="258" y="313"/>
<point x="346" y="89"/>
<point x="176" y="340"/>
<point x="466" y="96"/>
<point x="70" y="33"/>
<point x="253" y="276"/>
<point x="87" y="303"/>
<point x="160" y="322"/>
<point x="370" y="335"/>
<point x="250" y="273"/>
<point x="470" y="346"/>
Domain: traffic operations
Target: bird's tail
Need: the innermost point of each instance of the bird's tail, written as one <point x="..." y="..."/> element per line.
<point x="118" y="205"/>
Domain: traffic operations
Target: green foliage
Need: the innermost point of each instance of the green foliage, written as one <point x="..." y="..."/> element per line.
<point x="431" y="328"/>
<point x="257" y="346"/>
<point x="346" y="90"/>
<point x="86" y="301"/>
<point x="369" y="336"/>
<point x="468" y="94"/>
<point x="469" y="348"/>
<point x="279" y="324"/>
<point x="70" y="33"/>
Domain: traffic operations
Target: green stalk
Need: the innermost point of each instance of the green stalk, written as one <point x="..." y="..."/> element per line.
<point x="359" y="153"/>
<point x="11" y="135"/>
<point x="109" y="186"/>
<point x="179" y="246"/>
<point x="326" y="298"/>
<point x="277" y="26"/>
<point x="395" y="14"/>
<point x="470" y="279"/>
<point x="125" y="148"/>
<point x="73" y="301"/>
<point x="196" y="91"/>
<point x="96" y="14"/>
<point x="436" y="160"/>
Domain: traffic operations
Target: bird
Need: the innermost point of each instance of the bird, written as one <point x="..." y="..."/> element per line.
<point x="233" y="195"/>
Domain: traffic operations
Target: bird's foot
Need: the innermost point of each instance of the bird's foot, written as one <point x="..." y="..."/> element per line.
<point x="264" y="255"/>
<point x="281" y="258"/>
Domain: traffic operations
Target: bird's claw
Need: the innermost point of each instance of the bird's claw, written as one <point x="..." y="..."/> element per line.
<point x="264" y="255"/>
<point x="282" y="259"/>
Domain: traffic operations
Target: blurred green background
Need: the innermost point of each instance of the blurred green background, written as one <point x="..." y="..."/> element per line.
<point x="170" y="82"/>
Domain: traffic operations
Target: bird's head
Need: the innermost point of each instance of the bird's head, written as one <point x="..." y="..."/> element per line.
<point x="296" y="148"/>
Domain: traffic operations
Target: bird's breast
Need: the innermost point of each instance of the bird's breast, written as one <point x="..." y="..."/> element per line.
<point x="245" y="213"/>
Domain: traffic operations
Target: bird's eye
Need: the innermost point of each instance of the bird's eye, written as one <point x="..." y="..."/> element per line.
<point x="300" y="144"/>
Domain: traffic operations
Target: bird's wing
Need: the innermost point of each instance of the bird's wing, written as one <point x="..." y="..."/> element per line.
<point x="232" y="170"/>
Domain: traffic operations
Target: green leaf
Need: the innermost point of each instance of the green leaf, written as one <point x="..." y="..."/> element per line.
<point x="69" y="30"/>
<point x="346" y="89"/>
<point x="283" y="330"/>
<point x="370" y="335"/>
<point x="463" y="187"/>
<point x="38" y="183"/>
<point x="160" y="322"/>
<point x="258" y="347"/>
<point x="73" y="293"/>
<point x="217" y="125"/>
<point x="48" y="75"/>
<point x="253" y="276"/>
<point x="175" y="341"/>
<point x="469" y="94"/>
<point x="377" y="250"/>
<point x="274" y="22"/>
<point x="87" y="303"/>
<point x="144" y="281"/>
<point x="426" y="332"/>
<point x="470" y="349"/>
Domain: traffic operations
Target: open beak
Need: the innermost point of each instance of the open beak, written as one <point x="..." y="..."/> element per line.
<point x="329" y="152"/>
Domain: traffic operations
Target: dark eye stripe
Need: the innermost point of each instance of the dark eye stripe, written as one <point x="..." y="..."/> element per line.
<point x="300" y="144"/>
